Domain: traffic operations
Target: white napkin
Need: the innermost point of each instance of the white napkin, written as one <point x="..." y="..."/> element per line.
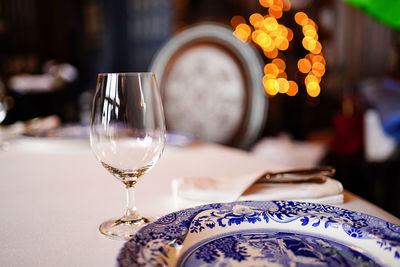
<point x="189" y="191"/>
<point x="286" y="151"/>
<point x="294" y="191"/>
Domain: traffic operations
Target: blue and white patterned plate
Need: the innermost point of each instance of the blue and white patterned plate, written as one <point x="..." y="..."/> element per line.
<point x="265" y="233"/>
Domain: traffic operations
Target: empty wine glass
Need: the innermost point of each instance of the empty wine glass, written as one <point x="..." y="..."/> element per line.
<point x="127" y="135"/>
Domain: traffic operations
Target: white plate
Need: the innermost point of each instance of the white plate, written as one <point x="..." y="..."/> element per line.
<point x="272" y="233"/>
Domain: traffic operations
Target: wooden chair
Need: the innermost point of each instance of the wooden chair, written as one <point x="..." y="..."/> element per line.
<point x="211" y="84"/>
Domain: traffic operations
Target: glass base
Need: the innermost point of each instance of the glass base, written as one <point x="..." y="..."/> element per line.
<point x="121" y="229"/>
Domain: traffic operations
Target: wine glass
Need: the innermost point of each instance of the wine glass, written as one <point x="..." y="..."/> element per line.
<point x="127" y="136"/>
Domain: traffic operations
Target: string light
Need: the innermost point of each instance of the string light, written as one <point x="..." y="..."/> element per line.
<point x="274" y="38"/>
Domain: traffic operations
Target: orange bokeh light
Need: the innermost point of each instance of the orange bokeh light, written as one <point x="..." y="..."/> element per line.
<point x="317" y="49"/>
<point x="301" y="18"/>
<point x="316" y="75"/>
<point x="256" y="18"/>
<point x="293" y="88"/>
<point x="271" y="86"/>
<point x="243" y="32"/>
<point x="319" y="58"/>
<point x="278" y="4"/>
<point x="271" y="68"/>
<point x="283" y="30"/>
<point x="272" y="54"/>
<point x="304" y="65"/>
<point x="309" y="30"/>
<point x="284" y="45"/>
<point x="282" y="75"/>
<point x="312" y="23"/>
<point x="283" y="85"/>
<point x="272" y="37"/>
<point x="246" y="28"/>
<point x="309" y="43"/>
<point x="290" y="35"/>
<point x="236" y="20"/>
<point x="275" y="12"/>
<point x="310" y="78"/>
<point x="313" y="89"/>
<point x="286" y="5"/>
<point x="268" y="76"/>
<point x="270" y="24"/>
<point x="280" y="63"/>
<point x="318" y="67"/>
<point x="266" y="3"/>
<point x="271" y="49"/>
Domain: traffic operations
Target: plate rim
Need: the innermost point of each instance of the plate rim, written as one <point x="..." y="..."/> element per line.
<point x="313" y="208"/>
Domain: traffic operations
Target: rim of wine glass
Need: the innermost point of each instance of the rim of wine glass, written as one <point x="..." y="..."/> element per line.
<point x="128" y="73"/>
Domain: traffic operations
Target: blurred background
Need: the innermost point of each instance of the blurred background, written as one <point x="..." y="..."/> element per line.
<point x="51" y="52"/>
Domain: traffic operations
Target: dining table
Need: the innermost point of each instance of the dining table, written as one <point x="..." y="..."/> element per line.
<point x="54" y="194"/>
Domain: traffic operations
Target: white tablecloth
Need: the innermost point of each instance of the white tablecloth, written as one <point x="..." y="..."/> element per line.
<point x="54" y="195"/>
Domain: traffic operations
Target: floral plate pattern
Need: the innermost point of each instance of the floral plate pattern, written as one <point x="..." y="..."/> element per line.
<point x="264" y="233"/>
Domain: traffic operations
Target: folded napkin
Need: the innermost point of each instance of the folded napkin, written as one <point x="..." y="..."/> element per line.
<point x="190" y="191"/>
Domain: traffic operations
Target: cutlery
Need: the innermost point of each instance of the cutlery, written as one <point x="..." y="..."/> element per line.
<point x="311" y="175"/>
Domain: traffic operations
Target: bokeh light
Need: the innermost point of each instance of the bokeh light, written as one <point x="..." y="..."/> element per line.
<point x="273" y="54"/>
<point x="304" y="65"/>
<point x="271" y="86"/>
<point x="301" y="18"/>
<point x="236" y="20"/>
<point x="313" y="89"/>
<point x="272" y="69"/>
<point x="283" y="85"/>
<point x="243" y="32"/>
<point x="255" y="19"/>
<point x="280" y="63"/>
<point x="286" y="5"/>
<point x="266" y="3"/>
<point x="275" y="12"/>
<point x="293" y="88"/>
<point x="274" y="39"/>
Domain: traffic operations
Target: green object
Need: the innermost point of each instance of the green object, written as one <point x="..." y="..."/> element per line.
<point x="387" y="11"/>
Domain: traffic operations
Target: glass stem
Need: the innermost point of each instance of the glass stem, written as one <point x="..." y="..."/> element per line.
<point x="130" y="213"/>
